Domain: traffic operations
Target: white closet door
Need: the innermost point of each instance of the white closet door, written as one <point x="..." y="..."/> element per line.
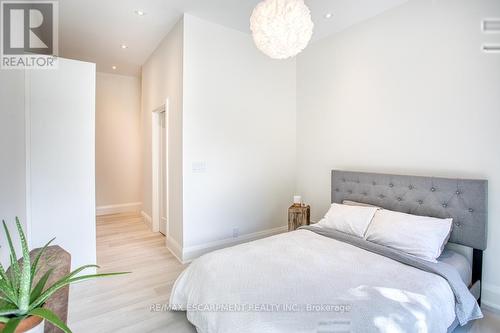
<point x="62" y="158"/>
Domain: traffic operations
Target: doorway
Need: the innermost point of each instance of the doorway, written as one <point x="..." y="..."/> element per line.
<point x="163" y="173"/>
<point x="160" y="169"/>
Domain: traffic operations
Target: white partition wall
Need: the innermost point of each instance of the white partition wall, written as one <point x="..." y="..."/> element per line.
<point x="12" y="156"/>
<point x="232" y="110"/>
<point x="61" y="158"/>
<point x="239" y="133"/>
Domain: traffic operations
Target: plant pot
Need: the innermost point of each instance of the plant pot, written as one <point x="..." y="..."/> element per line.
<point x="31" y="324"/>
<point x="38" y="328"/>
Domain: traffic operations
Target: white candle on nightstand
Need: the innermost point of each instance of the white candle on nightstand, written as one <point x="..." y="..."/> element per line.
<point x="297" y="200"/>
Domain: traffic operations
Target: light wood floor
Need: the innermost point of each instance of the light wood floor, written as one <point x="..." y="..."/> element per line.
<point x="122" y="304"/>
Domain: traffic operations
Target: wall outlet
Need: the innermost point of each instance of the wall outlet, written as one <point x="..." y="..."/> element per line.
<point x="236" y="232"/>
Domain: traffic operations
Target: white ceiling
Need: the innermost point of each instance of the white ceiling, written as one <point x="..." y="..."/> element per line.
<point x="93" y="30"/>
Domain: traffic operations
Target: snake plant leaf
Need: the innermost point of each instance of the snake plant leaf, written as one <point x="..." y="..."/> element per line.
<point x="25" y="282"/>
<point x="50" y="317"/>
<point x="4" y="301"/>
<point x="20" y="297"/>
<point x="6" y="305"/>
<point x="8" y="292"/>
<point x="64" y="282"/>
<point x="8" y="309"/>
<point x="3" y="275"/>
<point x="78" y="270"/>
<point x="9" y="239"/>
<point x="9" y="313"/>
<point x="15" y="273"/>
<point x="15" y="269"/>
<point x="5" y="287"/>
<point x="12" y="324"/>
<point x="37" y="291"/>
<point x="37" y="259"/>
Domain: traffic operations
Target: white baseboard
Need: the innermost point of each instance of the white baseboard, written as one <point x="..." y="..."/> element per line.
<point x="192" y="252"/>
<point x="175" y="249"/>
<point x="490" y="296"/>
<point x="120" y="208"/>
<point x="147" y="219"/>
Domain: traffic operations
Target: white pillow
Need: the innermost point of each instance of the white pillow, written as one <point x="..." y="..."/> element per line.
<point x="421" y="236"/>
<point x="353" y="220"/>
<point x="355" y="203"/>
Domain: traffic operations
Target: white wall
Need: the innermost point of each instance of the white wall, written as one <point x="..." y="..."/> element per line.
<point x="407" y="92"/>
<point x="162" y="79"/>
<point x="118" y="142"/>
<point x="61" y="153"/>
<point x="232" y="110"/>
<point x="47" y="157"/>
<point x="12" y="155"/>
<point x="239" y="122"/>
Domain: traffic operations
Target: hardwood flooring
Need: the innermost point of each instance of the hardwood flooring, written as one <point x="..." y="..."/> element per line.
<point x="123" y="304"/>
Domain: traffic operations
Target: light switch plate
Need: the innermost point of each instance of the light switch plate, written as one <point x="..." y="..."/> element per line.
<point x="199" y="167"/>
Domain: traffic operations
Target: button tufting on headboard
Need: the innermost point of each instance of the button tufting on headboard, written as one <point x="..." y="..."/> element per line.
<point x="464" y="200"/>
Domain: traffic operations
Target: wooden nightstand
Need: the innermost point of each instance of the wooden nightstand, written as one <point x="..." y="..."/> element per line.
<point x="298" y="215"/>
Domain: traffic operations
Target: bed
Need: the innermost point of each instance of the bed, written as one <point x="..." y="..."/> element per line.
<point x="311" y="281"/>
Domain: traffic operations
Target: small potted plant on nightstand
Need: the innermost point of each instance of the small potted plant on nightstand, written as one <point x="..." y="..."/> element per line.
<point x="22" y="300"/>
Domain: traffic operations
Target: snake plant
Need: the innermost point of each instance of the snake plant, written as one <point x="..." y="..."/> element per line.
<point x="21" y="297"/>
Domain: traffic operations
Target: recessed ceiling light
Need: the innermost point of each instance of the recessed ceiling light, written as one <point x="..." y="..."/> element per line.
<point x="123" y="46"/>
<point x="328" y="16"/>
<point x="113" y="67"/>
<point x="139" y="12"/>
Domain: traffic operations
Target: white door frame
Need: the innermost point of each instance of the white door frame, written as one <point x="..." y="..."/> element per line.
<point x="156" y="166"/>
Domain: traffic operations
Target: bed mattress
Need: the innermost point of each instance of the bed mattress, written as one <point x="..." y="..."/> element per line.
<point x="459" y="262"/>
<point x="304" y="282"/>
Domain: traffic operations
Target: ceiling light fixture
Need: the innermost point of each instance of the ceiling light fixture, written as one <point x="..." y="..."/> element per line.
<point x="281" y="28"/>
<point x="328" y="16"/>
<point x="114" y="68"/>
<point x="139" y="12"/>
<point x="123" y="46"/>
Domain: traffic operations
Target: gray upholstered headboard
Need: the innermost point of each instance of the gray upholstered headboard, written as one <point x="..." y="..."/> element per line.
<point x="464" y="200"/>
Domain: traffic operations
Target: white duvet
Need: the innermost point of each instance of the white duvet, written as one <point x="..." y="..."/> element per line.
<point x="304" y="282"/>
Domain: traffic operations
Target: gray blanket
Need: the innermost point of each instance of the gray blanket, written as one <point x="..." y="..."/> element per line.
<point x="466" y="307"/>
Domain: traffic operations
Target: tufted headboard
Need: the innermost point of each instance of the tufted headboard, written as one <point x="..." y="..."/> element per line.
<point x="464" y="200"/>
